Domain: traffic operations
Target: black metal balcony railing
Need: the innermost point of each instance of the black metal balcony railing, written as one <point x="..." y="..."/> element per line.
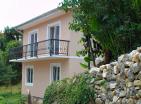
<point x="46" y="47"/>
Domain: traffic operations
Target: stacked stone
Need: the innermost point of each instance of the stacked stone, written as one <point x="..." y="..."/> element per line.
<point x="123" y="80"/>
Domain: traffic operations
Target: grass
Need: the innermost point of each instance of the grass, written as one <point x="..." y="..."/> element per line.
<point x="13" y="89"/>
<point x="11" y="95"/>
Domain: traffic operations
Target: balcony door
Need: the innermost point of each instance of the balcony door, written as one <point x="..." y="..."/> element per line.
<point x="54" y="32"/>
<point x="33" y="44"/>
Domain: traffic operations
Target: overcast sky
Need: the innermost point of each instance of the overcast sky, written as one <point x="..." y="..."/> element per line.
<point x="14" y="12"/>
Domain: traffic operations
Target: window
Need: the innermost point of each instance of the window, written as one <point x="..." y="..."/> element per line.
<point x="29" y="76"/>
<point x="33" y="39"/>
<point x="54" y="30"/>
<point x="55" y="72"/>
<point x="33" y="46"/>
<point x="54" y="35"/>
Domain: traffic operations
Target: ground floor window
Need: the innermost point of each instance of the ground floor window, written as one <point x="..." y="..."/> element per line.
<point x="55" y="72"/>
<point x="29" y="76"/>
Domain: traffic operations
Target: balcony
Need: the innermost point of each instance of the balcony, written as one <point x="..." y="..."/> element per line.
<point x="42" y="49"/>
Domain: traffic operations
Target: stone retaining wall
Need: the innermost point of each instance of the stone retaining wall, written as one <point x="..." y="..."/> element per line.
<point x="123" y="80"/>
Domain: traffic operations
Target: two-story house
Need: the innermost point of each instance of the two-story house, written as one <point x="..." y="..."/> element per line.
<point x="48" y="52"/>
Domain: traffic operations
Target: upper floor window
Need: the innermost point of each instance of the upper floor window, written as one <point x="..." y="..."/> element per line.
<point x="54" y="36"/>
<point x="33" y="44"/>
<point x="54" y="30"/>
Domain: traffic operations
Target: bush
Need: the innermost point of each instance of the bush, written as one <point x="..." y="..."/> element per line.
<point x="2" y="100"/>
<point x="16" y="98"/>
<point x="77" y="90"/>
<point x="23" y="99"/>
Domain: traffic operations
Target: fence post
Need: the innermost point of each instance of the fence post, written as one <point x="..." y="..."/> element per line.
<point x="26" y="49"/>
<point x="50" y="51"/>
<point x="67" y="48"/>
<point x="29" y="97"/>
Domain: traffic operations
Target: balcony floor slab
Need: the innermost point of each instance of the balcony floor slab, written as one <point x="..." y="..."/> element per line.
<point x="44" y="57"/>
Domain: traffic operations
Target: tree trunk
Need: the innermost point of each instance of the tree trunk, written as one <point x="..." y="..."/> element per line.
<point x="107" y="56"/>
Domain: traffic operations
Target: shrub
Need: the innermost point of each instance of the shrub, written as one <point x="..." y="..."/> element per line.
<point x="23" y="99"/>
<point x="76" y="90"/>
<point x="2" y="100"/>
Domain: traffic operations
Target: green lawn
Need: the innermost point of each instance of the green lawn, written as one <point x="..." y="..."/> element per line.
<point x="11" y="95"/>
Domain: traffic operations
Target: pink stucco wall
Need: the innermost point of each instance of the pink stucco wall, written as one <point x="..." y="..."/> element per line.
<point x="41" y="74"/>
<point x="66" y="33"/>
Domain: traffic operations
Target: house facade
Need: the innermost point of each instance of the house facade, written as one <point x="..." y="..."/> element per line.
<point x="48" y="52"/>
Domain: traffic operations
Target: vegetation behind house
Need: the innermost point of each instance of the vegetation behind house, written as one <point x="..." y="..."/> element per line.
<point x="114" y="24"/>
<point x="10" y="73"/>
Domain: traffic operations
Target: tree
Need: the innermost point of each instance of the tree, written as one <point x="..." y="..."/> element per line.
<point x="16" y="67"/>
<point x="6" y="73"/>
<point x="11" y="34"/>
<point x="9" y="71"/>
<point x="2" y="41"/>
<point x="115" y="24"/>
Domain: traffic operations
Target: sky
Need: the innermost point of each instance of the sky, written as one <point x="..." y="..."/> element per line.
<point x="15" y="12"/>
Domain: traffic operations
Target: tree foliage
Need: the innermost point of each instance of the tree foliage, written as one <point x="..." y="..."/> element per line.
<point x="9" y="72"/>
<point x="115" y="24"/>
<point x="6" y="74"/>
<point x="2" y="41"/>
<point x="11" y="34"/>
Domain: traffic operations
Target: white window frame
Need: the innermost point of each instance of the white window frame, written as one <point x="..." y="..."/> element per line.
<point x="58" y="23"/>
<point x="31" y="32"/>
<point x="29" y="39"/>
<point x="26" y="83"/>
<point x="51" y="70"/>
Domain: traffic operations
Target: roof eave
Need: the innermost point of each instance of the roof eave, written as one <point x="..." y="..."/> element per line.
<point x="40" y="19"/>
